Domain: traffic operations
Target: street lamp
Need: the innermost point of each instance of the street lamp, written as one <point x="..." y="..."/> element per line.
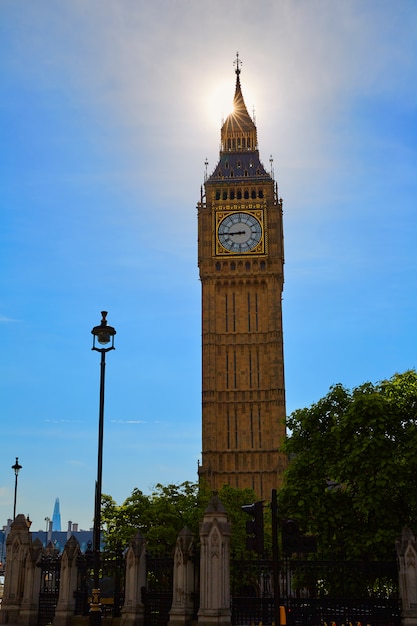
<point x="16" y="467"/>
<point x="47" y="520"/>
<point x="104" y="335"/>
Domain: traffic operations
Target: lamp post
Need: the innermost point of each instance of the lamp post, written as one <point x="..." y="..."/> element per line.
<point x="104" y="335"/>
<point x="16" y="468"/>
<point x="47" y="520"/>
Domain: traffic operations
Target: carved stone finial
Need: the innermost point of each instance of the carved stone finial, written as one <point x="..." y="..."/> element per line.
<point x="237" y="63"/>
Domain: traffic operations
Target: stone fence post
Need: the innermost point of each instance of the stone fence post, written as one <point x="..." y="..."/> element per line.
<point x="133" y="611"/>
<point x="182" y="609"/>
<point x="65" y="607"/>
<point x="215" y="566"/>
<point x="30" y="604"/>
<point x="406" y="547"/>
<point x="18" y="546"/>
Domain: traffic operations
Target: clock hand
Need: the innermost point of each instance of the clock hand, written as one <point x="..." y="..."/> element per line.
<point x="238" y="232"/>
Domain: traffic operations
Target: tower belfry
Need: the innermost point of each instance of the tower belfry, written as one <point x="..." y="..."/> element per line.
<point x="241" y="259"/>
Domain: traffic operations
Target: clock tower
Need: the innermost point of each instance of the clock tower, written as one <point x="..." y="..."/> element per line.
<point x="241" y="259"/>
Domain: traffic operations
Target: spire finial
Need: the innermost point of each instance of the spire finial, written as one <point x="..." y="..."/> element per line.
<point x="238" y="64"/>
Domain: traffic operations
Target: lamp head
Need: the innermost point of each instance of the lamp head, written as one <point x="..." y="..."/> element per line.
<point x="16" y="467"/>
<point x="103" y="333"/>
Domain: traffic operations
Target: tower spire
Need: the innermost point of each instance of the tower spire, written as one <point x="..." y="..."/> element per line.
<point x="238" y="131"/>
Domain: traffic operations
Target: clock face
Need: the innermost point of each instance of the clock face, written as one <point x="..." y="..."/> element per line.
<point x="239" y="232"/>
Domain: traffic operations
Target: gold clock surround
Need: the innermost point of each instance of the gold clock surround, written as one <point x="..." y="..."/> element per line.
<point x="222" y="212"/>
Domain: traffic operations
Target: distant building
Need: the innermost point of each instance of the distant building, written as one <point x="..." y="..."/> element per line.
<point x="56" y="517"/>
<point x="57" y="538"/>
<point x="3" y="536"/>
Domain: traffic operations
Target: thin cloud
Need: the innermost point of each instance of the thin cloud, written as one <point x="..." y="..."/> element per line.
<point x="6" y="320"/>
<point x="61" y="421"/>
<point x="128" y="422"/>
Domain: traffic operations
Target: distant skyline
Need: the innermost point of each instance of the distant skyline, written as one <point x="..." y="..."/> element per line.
<point x="56" y="516"/>
<point x="109" y="111"/>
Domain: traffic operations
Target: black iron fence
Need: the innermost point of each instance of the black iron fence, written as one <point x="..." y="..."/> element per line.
<point x="84" y="585"/>
<point x="316" y="593"/>
<point x="112" y="580"/>
<point x="157" y="597"/>
<point x="312" y="593"/>
<point x="50" y="565"/>
<point x="359" y="612"/>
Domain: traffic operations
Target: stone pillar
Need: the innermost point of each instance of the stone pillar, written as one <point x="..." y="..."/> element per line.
<point x="182" y="609"/>
<point x="133" y="611"/>
<point x="215" y="566"/>
<point x="406" y="547"/>
<point x="18" y="545"/>
<point x="30" y="604"/>
<point x="68" y="583"/>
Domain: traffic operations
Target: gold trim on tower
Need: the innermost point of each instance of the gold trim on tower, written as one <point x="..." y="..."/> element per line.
<point x="252" y="209"/>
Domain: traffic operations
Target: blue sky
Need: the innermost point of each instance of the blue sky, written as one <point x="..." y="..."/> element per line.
<point x="109" y="109"/>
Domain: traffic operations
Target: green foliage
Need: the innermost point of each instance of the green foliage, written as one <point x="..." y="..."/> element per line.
<point x="161" y="515"/>
<point x="353" y="467"/>
<point x="233" y="500"/>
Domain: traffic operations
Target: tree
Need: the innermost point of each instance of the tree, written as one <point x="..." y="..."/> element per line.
<point x="161" y="515"/>
<point x="353" y="467"/>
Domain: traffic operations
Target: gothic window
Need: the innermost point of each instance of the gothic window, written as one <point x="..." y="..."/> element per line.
<point x="232" y="193"/>
<point x="234" y="313"/>
<point x="234" y="369"/>
<point x="261" y="193"/>
<point x="251" y="428"/>
<point x="217" y="194"/>
<point x="253" y="193"/>
<point x="224" y="195"/>
<point x="239" y="195"/>
<point x="262" y="265"/>
<point x="247" y="266"/>
<point x="246" y="194"/>
<point x="259" y="429"/>
<point x="239" y="164"/>
<point x="218" y="267"/>
<point x="245" y="173"/>
<point x="233" y="266"/>
<point x="258" y="373"/>
<point x="226" y="316"/>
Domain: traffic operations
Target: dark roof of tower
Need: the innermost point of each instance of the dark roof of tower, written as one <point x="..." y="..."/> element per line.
<point x="239" y="155"/>
<point x="238" y="166"/>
